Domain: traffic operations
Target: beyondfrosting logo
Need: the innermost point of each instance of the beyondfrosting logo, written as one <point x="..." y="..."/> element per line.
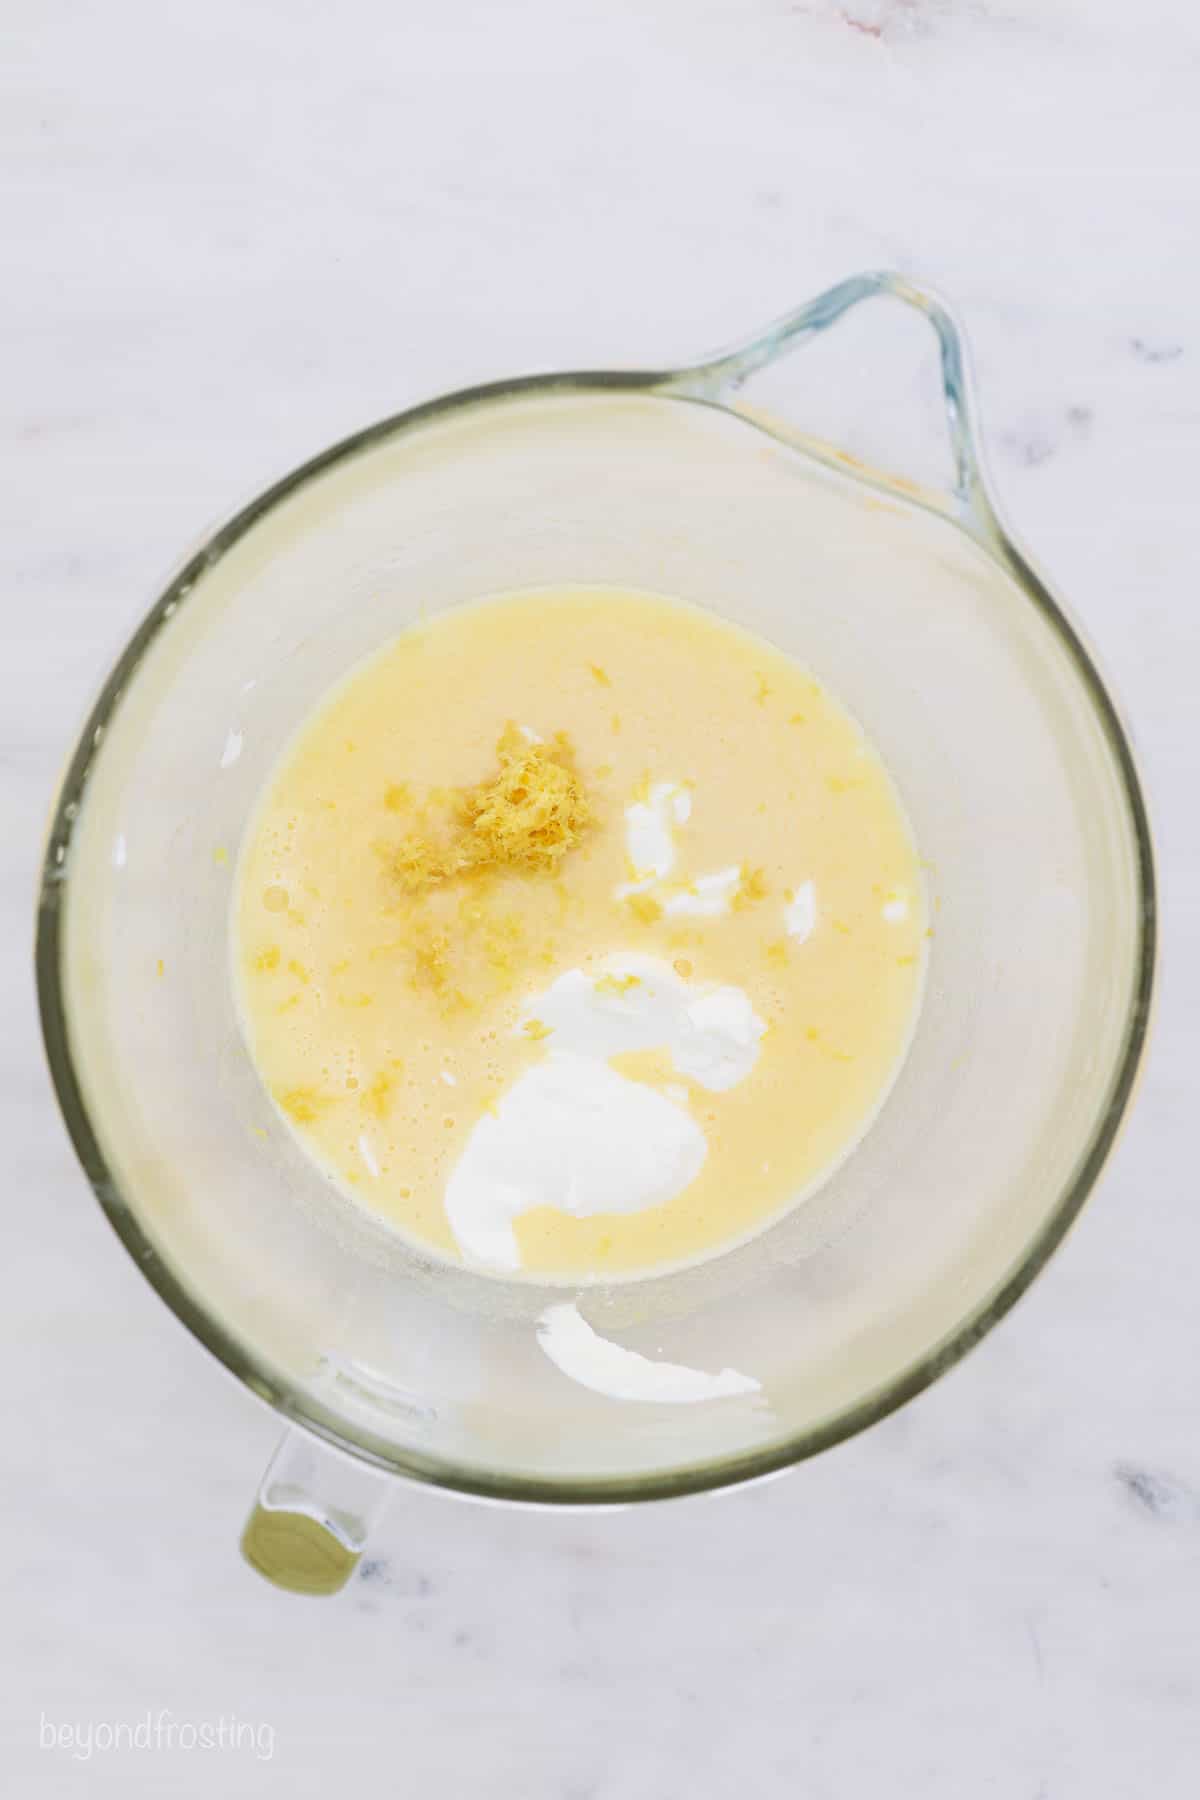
<point x="157" y="1731"/>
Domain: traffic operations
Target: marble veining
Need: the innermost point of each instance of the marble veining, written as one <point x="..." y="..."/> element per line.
<point x="1155" y="353"/>
<point x="1160" y="1496"/>
<point x="235" y="233"/>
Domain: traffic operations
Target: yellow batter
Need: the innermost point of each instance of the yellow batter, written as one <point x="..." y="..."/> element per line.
<point x="393" y="947"/>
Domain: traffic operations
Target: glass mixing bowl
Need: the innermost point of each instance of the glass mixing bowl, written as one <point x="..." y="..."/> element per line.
<point x="924" y="618"/>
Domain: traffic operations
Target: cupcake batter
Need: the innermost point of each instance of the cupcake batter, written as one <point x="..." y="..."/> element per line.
<point x="578" y="934"/>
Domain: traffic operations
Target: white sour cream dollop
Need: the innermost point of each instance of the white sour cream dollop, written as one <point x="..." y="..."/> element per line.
<point x="597" y="1363"/>
<point x="574" y="1134"/>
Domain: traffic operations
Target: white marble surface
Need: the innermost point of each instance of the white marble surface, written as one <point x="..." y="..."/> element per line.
<point x="235" y="231"/>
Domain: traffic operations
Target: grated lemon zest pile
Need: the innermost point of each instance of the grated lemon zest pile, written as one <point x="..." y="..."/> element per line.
<point x="304" y="1104"/>
<point x="644" y="907"/>
<point x="752" y="889"/>
<point x="616" y="984"/>
<point x="378" y="1097"/>
<point x="526" y="817"/>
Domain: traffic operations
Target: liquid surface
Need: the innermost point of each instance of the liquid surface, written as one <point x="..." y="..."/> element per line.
<point x="633" y="1028"/>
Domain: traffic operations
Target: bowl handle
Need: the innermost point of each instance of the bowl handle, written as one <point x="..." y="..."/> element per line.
<point x="719" y="377"/>
<point x="311" y="1519"/>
